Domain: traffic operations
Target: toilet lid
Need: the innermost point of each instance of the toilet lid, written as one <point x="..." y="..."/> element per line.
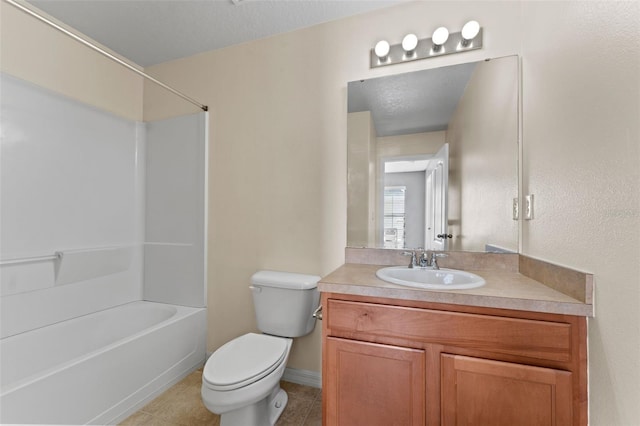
<point x="244" y="360"/>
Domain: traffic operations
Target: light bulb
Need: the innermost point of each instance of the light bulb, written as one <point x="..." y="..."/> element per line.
<point x="440" y="36"/>
<point x="381" y="49"/>
<point x="409" y="43"/>
<point x="470" y="30"/>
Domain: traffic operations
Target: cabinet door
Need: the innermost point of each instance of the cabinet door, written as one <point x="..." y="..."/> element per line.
<point x="371" y="384"/>
<point x="482" y="392"/>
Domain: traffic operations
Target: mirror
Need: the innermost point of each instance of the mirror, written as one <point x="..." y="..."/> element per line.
<point x="433" y="158"/>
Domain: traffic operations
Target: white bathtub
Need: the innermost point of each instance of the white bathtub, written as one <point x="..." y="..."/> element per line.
<point x="99" y="368"/>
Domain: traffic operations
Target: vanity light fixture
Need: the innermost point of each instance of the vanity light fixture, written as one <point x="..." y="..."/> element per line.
<point x="441" y="43"/>
<point x="409" y="44"/>
<point x="469" y="32"/>
<point x="382" y="50"/>
<point x="439" y="37"/>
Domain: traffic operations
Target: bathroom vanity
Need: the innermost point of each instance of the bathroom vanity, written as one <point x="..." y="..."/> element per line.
<point x="511" y="352"/>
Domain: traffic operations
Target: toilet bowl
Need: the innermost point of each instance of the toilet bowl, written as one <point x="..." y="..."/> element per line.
<point x="241" y="380"/>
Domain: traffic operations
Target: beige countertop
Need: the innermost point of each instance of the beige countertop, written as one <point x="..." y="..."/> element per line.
<point x="504" y="289"/>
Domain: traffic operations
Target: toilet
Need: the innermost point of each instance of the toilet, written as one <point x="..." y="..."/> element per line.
<point x="241" y="380"/>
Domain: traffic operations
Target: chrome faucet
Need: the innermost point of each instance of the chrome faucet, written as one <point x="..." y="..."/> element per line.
<point x="419" y="258"/>
<point x="423" y="259"/>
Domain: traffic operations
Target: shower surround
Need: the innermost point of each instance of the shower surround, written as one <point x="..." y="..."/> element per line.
<point x="97" y="212"/>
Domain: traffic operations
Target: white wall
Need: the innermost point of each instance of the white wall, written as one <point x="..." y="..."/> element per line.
<point x="278" y="133"/>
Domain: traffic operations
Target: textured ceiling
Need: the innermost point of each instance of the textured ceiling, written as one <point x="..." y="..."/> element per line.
<point x="416" y="102"/>
<point x="149" y="32"/>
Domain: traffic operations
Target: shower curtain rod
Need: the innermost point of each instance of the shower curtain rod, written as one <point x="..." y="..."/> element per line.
<point x="104" y="52"/>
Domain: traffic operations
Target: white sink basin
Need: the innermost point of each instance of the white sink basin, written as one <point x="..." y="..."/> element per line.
<point x="430" y="279"/>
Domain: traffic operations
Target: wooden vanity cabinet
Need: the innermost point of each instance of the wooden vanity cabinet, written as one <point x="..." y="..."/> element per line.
<point x="399" y="362"/>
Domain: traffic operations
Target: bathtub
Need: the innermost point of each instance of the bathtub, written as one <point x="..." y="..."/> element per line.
<point x="101" y="367"/>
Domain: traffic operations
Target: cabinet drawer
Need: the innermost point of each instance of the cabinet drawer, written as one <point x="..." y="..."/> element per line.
<point x="522" y="337"/>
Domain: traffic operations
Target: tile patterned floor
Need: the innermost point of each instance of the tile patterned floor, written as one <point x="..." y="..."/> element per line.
<point x="181" y="405"/>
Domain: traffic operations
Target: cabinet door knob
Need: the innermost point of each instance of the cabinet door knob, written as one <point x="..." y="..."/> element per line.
<point x="441" y="236"/>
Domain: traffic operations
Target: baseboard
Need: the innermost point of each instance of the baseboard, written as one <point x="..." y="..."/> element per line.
<point x="303" y="377"/>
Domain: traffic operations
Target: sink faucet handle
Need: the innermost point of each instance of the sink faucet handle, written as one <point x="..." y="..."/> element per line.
<point x="413" y="262"/>
<point x="434" y="259"/>
<point x="435" y="255"/>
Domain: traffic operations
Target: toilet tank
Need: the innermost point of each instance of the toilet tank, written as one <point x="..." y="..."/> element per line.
<point x="284" y="302"/>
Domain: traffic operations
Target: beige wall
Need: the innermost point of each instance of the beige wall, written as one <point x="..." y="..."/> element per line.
<point x="483" y="153"/>
<point x="278" y="127"/>
<point x="278" y="158"/>
<point x="413" y="144"/>
<point x="372" y="187"/>
<point x="360" y="150"/>
<point x="581" y="81"/>
<point x="35" y="52"/>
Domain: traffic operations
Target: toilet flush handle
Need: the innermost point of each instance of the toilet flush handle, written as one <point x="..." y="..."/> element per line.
<point x="317" y="314"/>
<point x="255" y="288"/>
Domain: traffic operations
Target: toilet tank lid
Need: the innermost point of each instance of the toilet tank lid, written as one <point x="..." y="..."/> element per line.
<point x="287" y="280"/>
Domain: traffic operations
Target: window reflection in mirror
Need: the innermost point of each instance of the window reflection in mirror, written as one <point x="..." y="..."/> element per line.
<point x="394" y="216"/>
<point x="469" y="110"/>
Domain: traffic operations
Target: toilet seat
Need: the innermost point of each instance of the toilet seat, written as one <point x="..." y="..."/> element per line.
<point x="244" y="360"/>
